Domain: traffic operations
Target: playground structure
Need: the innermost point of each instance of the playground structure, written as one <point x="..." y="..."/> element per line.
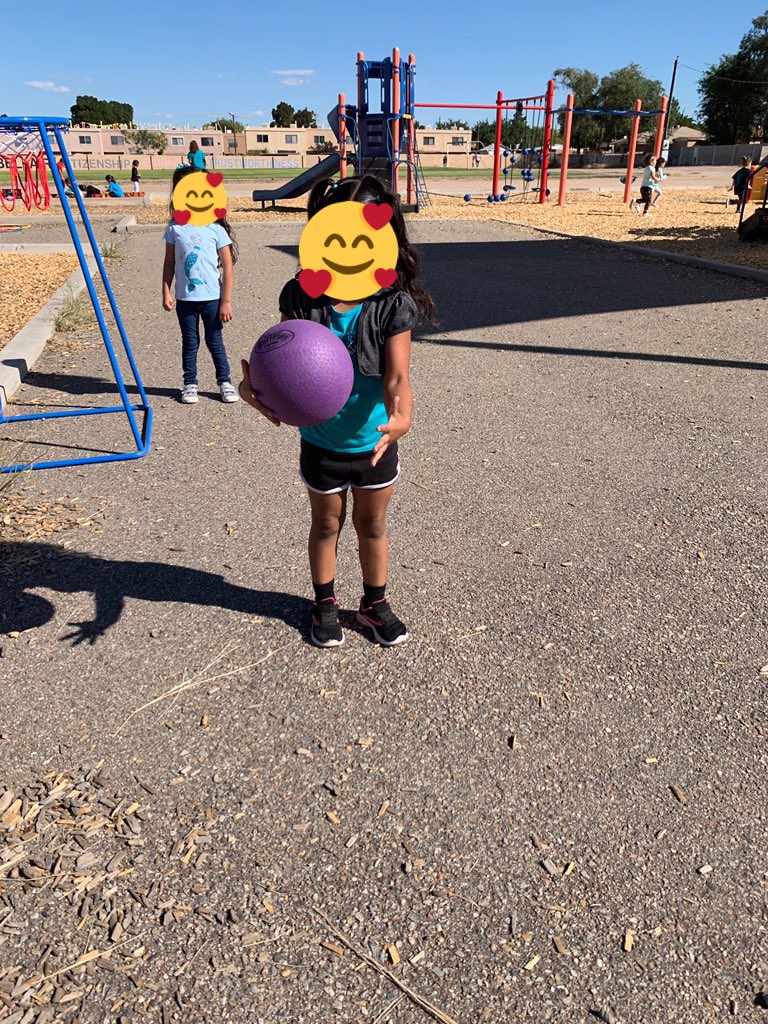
<point x="755" y="226"/>
<point x="29" y="181"/>
<point x="29" y="141"/>
<point x="636" y="113"/>
<point x="377" y="135"/>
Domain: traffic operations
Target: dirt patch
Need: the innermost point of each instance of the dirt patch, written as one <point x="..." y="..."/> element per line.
<point x="27" y="282"/>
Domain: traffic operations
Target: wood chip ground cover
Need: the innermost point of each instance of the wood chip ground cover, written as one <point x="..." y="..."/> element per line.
<point x="692" y="222"/>
<point x="27" y="282"/>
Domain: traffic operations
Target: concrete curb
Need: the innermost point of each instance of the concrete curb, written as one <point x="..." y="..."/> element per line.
<point x="125" y="224"/>
<point x="731" y="269"/>
<point x="20" y="354"/>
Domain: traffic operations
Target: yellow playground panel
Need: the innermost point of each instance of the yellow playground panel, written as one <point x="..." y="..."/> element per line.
<point x="759" y="183"/>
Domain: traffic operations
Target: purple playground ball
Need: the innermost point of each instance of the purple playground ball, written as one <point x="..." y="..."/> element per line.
<point x="302" y="372"/>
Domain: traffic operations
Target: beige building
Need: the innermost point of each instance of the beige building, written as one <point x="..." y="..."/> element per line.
<point x="98" y="148"/>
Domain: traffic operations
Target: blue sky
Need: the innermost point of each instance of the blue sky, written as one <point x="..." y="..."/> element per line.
<point x="222" y="57"/>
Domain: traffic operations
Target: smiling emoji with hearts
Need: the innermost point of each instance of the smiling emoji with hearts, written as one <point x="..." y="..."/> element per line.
<point x="348" y="251"/>
<point x="199" y="199"/>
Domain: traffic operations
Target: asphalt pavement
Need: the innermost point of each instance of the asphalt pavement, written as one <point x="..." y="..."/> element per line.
<point x="550" y="803"/>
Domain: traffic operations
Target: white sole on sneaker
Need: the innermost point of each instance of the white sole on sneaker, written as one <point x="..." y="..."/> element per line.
<point x="379" y="638"/>
<point x="328" y="643"/>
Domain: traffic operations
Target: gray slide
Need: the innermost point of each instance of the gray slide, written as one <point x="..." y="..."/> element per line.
<point x="301" y="183"/>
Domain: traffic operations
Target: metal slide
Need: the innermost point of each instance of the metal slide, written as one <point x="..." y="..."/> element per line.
<point x="302" y="183"/>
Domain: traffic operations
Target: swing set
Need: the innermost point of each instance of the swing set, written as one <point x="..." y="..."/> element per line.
<point x="26" y="148"/>
<point x="569" y="111"/>
<point x="545" y="104"/>
<point x="542" y="104"/>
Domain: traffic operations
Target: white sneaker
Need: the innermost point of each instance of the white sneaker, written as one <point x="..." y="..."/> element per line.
<point x="189" y="394"/>
<point x="228" y="392"/>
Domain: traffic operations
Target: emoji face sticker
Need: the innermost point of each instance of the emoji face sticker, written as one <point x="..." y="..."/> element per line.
<point x="348" y="251"/>
<point x="199" y="199"/>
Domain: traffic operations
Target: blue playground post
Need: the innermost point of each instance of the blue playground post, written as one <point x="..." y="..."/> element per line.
<point x="39" y="130"/>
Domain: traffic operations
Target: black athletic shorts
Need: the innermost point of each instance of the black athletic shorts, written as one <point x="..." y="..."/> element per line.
<point x="327" y="472"/>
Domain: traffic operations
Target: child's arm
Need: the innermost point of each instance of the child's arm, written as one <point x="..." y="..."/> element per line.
<point x="168" y="268"/>
<point x="227" y="284"/>
<point x="398" y="396"/>
<point x="246" y="392"/>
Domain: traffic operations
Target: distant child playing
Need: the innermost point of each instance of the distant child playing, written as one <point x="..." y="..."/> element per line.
<point x="656" y="189"/>
<point x="356" y="450"/>
<point x="650" y="178"/>
<point x="135" y="176"/>
<point x="194" y="255"/>
<point x="740" y="181"/>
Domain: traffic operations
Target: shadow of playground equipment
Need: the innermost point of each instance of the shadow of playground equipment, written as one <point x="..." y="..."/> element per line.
<point x="502" y="283"/>
<point x="27" y="566"/>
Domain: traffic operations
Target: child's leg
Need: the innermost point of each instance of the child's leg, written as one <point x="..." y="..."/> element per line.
<point x="369" y="516"/>
<point x="328" y="514"/>
<point x="214" y="340"/>
<point x="188" y="313"/>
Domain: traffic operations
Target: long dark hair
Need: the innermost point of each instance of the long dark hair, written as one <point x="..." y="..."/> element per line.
<point x="182" y="172"/>
<point x="370" y="189"/>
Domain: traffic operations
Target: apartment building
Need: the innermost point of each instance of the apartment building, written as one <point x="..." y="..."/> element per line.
<point x="108" y="148"/>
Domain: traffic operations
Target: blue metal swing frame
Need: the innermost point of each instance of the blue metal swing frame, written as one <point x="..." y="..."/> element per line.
<point x="139" y="414"/>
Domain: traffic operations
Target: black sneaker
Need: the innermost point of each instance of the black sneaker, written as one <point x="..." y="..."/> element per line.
<point x="386" y="626"/>
<point x="326" y="631"/>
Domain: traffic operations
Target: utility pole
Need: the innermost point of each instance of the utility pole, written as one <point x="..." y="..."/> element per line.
<point x="234" y="133"/>
<point x="670" y="95"/>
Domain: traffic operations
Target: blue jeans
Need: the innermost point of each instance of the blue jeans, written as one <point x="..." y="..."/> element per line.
<point x="189" y="313"/>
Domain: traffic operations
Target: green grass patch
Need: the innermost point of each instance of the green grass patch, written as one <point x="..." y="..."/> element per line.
<point x="114" y="251"/>
<point x="76" y="313"/>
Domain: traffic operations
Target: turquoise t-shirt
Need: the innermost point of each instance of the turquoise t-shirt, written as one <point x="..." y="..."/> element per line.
<point x="354" y="428"/>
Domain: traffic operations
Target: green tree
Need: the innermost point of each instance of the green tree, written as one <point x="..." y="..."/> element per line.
<point x="516" y="133"/>
<point x="90" y="110"/>
<point x="734" y="92"/>
<point x="283" y="115"/>
<point x="143" y="141"/>
<point x="679" y="119"/>
<point x="585" y="128"/>
<point x="226" y="124"/>
<point x="455" y="123"/>
<point x="305" y="118"/>
<point x="618" y="90"/>
<point x="484" y="132"/>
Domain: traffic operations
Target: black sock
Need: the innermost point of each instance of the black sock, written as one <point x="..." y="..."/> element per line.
<point x="371" y="594"/>
<point x="323" y="590"/>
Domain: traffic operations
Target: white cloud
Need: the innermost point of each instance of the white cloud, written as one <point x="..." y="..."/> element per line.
<point x="47" y="86"/>
<point x="293" y="81"/>
<point x="293" y="73"/>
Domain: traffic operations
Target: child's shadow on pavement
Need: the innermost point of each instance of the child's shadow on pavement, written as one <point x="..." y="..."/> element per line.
<point x="27" y="566"/>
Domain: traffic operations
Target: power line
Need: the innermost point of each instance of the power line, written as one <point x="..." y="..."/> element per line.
<point x="714" y="74"/>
